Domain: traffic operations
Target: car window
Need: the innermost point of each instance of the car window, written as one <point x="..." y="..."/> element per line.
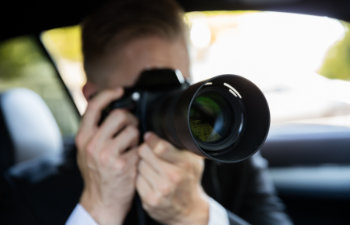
<point x="24" y="65"/>
<point x="64" y="45"/>
<point x="300" y="62"/>
<point x="291" y="57"/>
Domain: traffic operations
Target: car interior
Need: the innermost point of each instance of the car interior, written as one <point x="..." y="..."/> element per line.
<point x="309" y="162"/>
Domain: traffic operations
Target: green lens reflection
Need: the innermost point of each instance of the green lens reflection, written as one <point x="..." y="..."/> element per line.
<point x="209" y="117"/>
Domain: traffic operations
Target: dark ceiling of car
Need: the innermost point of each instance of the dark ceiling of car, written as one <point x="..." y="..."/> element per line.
<point x="25" y="17"/>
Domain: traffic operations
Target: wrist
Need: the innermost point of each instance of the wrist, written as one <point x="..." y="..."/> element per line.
<point x="102" y="213"/>
<point x="198" y="213"/>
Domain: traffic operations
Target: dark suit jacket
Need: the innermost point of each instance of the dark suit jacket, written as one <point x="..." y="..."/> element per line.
<point x="46" y="192"/>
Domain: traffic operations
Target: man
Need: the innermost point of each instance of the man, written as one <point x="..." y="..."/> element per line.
<point x="120" y="40"/>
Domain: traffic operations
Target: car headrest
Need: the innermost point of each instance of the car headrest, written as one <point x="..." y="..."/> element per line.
<point x="27" y="127"/>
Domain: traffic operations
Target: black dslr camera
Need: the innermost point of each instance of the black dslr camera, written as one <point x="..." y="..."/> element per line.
<point x="225" y="118"/>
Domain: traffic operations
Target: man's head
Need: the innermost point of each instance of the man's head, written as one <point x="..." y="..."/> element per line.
<point x="125" y="37"/>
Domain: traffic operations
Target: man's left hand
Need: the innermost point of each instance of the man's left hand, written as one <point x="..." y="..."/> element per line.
<point x="169" y="183"/>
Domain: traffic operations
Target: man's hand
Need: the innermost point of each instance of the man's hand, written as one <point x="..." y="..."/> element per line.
<point x="107" y="159"/>
<point x="169" y="183"/>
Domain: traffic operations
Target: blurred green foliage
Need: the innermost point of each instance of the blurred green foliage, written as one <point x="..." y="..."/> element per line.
<point x="16" y="56"/>
<point x="336" y="64"/>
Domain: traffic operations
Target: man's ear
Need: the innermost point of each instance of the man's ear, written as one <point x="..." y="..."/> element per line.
<point x="89" y="89"/>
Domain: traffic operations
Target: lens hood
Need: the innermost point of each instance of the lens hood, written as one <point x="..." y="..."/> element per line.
<point x="225" y="118"/>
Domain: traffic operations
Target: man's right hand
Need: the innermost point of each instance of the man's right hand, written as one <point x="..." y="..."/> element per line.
<point x="107" y="159"/>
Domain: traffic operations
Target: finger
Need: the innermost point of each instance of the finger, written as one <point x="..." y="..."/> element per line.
<point x="127" y="139"/>
<point x="143" y="187"/>
<point x="116" y="120"/>
<point x="125" y="164"/>
<point x="95" y="107"/>
<point x="115" y="123"/>
<point x="148" y="156"/>
<point x="149" y="173"/>
<point x="162" y="148"/>
<point x="160" y="166"/>
<point x="131" y="158"/>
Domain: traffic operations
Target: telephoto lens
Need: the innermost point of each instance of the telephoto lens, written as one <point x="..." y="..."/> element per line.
<point x="225" y="118"/>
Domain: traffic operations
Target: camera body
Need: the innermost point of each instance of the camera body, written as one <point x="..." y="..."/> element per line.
<point x="225" y="118"/>
<point x="146" y="96"/>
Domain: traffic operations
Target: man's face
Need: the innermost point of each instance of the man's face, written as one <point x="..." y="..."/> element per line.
<point x="126" y="64"/>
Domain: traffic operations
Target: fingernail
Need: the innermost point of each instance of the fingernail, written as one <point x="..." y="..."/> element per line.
<point x="147" y="136"/>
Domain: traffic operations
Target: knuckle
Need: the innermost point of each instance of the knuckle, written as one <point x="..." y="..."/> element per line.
<point x="142" y="151"/>
<point x="133" y="132"/>
<point x="175" y="177"/>
<point x="160" y="151"/>
<point x="163" y="144"/>
<point x="132" y="129"/>
<point x="115" y="113"/>
<point x="162" y="148"/>
<point x="118" y="113"/>
<point x="125" y="116"/>
<point x="104" y="157"/>
<point x="165" y="189"/>
<point x="186" y="165"/>
<point x="154" y="200"/>
<point x="90" y="148"/>
<point x="120" y="164"/>
<point x="122" y="114"/>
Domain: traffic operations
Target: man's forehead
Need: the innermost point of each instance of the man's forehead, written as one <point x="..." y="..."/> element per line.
<point x="127" y="63"/>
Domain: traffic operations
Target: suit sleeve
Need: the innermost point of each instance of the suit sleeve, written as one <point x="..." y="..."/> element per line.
<point x="260" y="203"/>
<point x="246" y="191"/>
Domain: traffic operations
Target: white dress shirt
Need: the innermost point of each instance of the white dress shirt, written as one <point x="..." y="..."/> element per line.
<point x="217" y="215"/>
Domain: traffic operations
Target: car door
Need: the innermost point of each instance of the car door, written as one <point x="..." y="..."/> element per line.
<point x="310" y="166"/>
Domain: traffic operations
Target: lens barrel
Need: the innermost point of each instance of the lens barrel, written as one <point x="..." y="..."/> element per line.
<point x="225" y="118"/>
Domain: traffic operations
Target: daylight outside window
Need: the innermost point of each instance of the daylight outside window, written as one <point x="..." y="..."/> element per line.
<point x="299" y="61"/>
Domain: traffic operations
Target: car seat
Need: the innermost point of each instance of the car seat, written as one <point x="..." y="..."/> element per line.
<point x="40" y="179"/>
<point x="28" y="129"/>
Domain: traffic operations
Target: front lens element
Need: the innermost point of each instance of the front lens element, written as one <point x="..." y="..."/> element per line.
<point x="210" y="117"/>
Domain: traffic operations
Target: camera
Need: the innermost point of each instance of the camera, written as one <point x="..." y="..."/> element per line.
<point x="225" y="118"/>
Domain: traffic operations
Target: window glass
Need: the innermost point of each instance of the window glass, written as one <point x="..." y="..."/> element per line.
<point x="300" y="62"/>
<point x="64" y="45"/>
<point x="22" y="64"/>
